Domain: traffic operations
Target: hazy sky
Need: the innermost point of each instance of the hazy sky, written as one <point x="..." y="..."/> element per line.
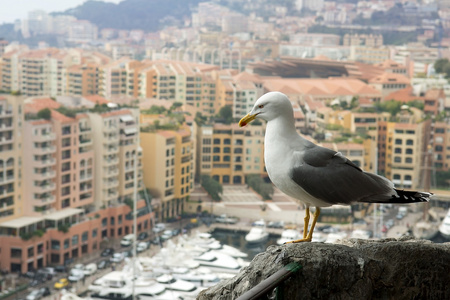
<point x="11" y="10"/>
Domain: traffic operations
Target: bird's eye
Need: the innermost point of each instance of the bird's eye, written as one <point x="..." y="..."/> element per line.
<point x="261" y="106"/>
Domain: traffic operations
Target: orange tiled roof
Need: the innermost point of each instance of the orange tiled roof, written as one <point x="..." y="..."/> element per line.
<point x="34" y="105"/>
<point x="61" y="118"/>
<point x="96" y="99"/>
<point x="390" y="78"/>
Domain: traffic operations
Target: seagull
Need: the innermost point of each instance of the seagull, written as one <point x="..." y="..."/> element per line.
<point x="315" y="175"/>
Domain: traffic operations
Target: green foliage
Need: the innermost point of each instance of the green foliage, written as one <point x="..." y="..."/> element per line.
<point x="226" y="113"/>
<point x="68" y="112"/>
<point x="103" y="108"/>
<point x="333" y="127"/>
<point x="155" y="110"/>
<point x="39" y="232"/>
<point x="440" y="64"/>
<point x="392" y="107"/>
<point x="260" y="186"/>
<point x="136" y="14"/>
<point x="64" y="227"/>
<point x="44" y="113"/>
<point x="417" y="104"/>
<point x="129" y="202"/>
<point x="200" y="119"/>
<point x="16" y="93"/>
<point x="26" y="236"/>
<point x="443" y="179"/>
<point x="213" y="187"/>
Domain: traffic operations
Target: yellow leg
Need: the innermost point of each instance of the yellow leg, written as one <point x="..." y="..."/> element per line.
<point x="308" y="238"/>
<point x="305" y="226"/>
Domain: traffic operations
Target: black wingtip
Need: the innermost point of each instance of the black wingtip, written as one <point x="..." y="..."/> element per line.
<point x="410" y="197"/>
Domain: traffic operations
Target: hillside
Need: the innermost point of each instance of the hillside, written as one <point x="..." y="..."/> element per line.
<point x="133" y="14"/>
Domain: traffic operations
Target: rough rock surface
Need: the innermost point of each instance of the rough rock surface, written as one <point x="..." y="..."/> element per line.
<point x="403" y="268"/>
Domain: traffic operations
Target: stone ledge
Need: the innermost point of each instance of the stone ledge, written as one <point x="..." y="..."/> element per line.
<point x="404" y="268"/>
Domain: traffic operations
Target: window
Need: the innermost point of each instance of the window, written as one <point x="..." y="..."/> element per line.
<point x="409" y="142"/>
<point x="30" y="252"/>
<point x="398" y="150"/>
<point x="55" y="245"/>
<point x="119" y="219"/>
<point x="84" y="236"/>
<point x="409" y="151"/>
<point x="397" y="159"/>
<point x="112" y="221"/>
<point x="66" y="243"/>
<point x="94" y="233"/>
<point x="16" y="252"/>
<point x="104" y="222"/>
<point x="216" y="150"/>
<point x="75" y="240"/>
<point x="396" y="176"/>
<point x="216" y="141"/>
<point x="408" y="160"/>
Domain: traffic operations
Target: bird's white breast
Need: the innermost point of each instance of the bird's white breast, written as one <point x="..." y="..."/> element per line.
<point x="278" y="156"/>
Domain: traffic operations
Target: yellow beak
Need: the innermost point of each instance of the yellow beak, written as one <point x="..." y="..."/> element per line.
<point x="247" y="119"/>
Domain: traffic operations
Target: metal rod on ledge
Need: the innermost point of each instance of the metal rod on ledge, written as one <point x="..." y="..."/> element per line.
<point x="264" y="287"/>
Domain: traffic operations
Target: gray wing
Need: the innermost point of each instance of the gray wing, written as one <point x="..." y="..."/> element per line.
<point x="331" y="177"/>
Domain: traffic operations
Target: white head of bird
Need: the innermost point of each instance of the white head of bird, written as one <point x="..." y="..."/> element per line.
<point x="269" y="107"/>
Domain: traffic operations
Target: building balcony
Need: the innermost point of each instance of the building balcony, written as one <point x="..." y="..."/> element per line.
<point x="45" y="150"/>
<point x="7" y="179"/>
<point x="44" y="162"/>
<point x="44" y="188"/>
<point x="47" y="175"/>
<point x="45" y="200"/>
<point x="44" y="138"/>
<point x="5" y="140"/>
<point x="6" y="127"/>
<point x="6" y="192"/>
<point x="85" y="142"/>
<point x="110" y="173"/>
<point x="109" y="162"/>
<point x="85" y="177"/>
<point x="85" y="129"/>
<point x="111" y="150"/>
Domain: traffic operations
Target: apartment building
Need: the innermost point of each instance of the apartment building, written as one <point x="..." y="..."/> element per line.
<point x="11" y="122"/>
<point x="369" y="40"/>
<point x="404" y="154"/>
<point x="169" y="164"/>
<point x="388" y="83"/>
<point x="227" y="153"/>
<point x="82" y="80"/>
<point x="441" y="146"/>
<point x="51" y="72"/>
<point x="54" y="220"/>
<point x="116" y="146"/>
<point x="59" y="237"/>
<point x="369" y="55"/>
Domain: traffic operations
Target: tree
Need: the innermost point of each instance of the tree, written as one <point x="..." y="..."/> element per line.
<point x="260" y="186"/>
<point x="392" y="106"/>
<point x="439" y="65"/>
<point x="226" y="113"/>
<point x="212" y="187"/>
<point x="44" y="113"/>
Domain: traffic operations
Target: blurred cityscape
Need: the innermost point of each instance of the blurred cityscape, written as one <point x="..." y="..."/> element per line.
<point x="96" y="120"/>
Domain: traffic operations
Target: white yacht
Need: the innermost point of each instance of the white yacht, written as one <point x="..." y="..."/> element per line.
<point x="119" y="285"/>
<point x="219" y="262"/>
<point x="185" y="288"/>
<point x="444" y="228"/>
<point x="360" y="234"/>
<point x="257" y="235"/>
<point x="289" y="235"/>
